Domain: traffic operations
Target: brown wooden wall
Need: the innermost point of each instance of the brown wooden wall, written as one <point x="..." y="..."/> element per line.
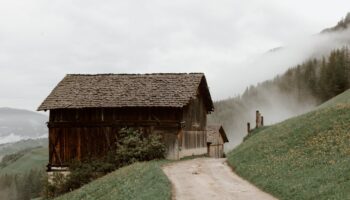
<point x="82" y="133"/>
<point x="195" y="122"/>
<point x="216" y="151"/>
<point x="69" y="143"/>
<point x="195" y="115"/>
<point x="115" y="114"/>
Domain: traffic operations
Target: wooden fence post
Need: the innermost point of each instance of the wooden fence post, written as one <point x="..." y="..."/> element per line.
<point x="248" y="127"/>
<point x="258" y="119"/>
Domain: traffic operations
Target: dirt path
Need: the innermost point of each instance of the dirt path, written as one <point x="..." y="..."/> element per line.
<point x="208" y="178"/>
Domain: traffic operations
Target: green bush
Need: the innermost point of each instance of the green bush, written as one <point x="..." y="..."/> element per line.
<point x="55" y="187"/>
<point x="80" y="174"/>
<point x="134" y="146"/>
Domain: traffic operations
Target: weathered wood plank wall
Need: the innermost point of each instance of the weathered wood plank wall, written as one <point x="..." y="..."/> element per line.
<point x="194" y="140"/>
<point x="82" y="133"/>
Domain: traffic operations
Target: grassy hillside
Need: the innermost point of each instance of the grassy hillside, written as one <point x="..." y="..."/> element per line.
<point x="140" y="181"/>
<point x="35" y="158"/>
<point x="341" y="99"/>
<point x="306" y="157"/>
<point x="11" y="148"/>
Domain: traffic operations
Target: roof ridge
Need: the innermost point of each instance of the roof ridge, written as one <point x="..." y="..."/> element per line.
<point x="127" y="90"/>
<point x="136" y="74"/>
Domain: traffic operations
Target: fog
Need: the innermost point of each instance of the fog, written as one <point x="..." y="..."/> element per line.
<point x="272" y="62"/>
<point x="274" y="104"/>
<point x="40" y="42"/>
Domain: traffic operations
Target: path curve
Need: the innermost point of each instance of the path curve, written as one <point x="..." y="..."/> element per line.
<point x="210" y="178"/>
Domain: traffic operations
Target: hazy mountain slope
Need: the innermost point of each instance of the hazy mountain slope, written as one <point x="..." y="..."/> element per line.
<point x="342" y="25"/>
<point x="33" y="159"/>
<point x="16" y="124"/>
<point x="306" y="157"/>
<point x="286" y="95"/>
<point x="10" y="148"/>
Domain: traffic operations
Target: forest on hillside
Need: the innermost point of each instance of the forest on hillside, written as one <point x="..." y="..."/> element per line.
<point x="342" y="25"/>
<point x="296" y="91"/>
<point x="321" y="78"/>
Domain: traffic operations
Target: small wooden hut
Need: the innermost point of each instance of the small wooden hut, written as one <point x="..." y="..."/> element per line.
<point x="87" y="111"/>
<point x="216" y="138"/>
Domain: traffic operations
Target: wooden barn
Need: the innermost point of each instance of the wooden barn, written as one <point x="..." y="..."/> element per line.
<point x="87" y="111"/>
<point x="216" y="138"/>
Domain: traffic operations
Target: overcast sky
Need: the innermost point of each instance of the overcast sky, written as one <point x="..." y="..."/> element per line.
<point x="41" y="41"/>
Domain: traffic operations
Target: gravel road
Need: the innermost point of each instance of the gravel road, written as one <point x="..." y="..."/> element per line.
<point x="209" y="178"/>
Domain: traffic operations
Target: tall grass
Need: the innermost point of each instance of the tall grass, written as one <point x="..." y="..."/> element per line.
<point x="139" y="181"/>
<point x="307" y="157"/>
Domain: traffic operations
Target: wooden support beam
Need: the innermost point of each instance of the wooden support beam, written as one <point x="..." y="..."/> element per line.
<point x="168" y="123"/>
<point x="54" y="153"/>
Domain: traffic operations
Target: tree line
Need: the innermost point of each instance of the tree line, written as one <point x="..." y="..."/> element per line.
<point x="321" y="78"/>
<point x="312" y="82"/>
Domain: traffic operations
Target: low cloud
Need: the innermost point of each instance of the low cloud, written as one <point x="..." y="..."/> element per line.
<point x="42" y="41"/>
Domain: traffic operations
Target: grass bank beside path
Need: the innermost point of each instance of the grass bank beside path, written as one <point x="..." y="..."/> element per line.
<point x="306" y="157"/>
<point x="139" y="181"/>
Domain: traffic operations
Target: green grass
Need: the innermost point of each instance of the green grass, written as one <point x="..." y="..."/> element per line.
<point x="139" y="181"/>
<point x="343" y="98"/>
<point x="255" y="131"/>
<point x="34" y="159"/>
<point x="11" y="148"/>
<point x="306" y="157"/>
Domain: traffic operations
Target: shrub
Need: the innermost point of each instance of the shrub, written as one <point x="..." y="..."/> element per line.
<point x="80" y="174"/>
<point x="134" y="146"/>
<point x="55" y="187"/>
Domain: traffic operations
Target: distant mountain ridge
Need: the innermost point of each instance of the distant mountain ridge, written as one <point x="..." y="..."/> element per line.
<point x="342" y="25"/>
<point x="10" y="148"/>
<point x="18" y="124"/>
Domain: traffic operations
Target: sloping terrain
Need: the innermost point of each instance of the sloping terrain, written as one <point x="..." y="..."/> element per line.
<point x="341" y="99"/>
<point x="140" y="181"/>
<point x="17" y="124"/>
<point x="306" y="157"/>
<point x="10" y="148"/>
<point x="342" y="25"/>
<point x="308" y="81"/>
<point x="33" y="159"/>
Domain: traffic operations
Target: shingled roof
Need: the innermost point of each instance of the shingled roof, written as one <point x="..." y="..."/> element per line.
<point x="212" y="131"/>
<point x="127" y="90"/>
